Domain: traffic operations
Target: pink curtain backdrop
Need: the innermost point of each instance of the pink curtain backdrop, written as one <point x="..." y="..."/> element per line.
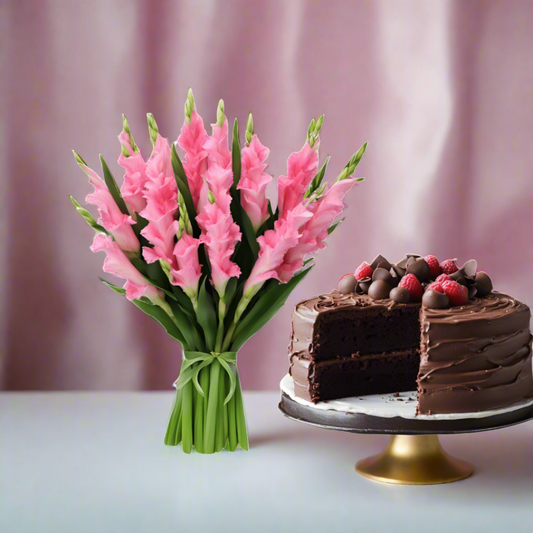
<point x="442" y="91"/>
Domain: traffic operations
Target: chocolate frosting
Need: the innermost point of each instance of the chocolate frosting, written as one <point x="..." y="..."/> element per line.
<point x="475" y="357"/>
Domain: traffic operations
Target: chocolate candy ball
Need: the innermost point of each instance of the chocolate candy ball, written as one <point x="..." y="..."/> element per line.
<point x="400" y="295"/>
<point x="381" y="273"/>
<point x="347" y="284"/>
<point x="420" y="269"/>
<point x="483" y="284"/>
<point x="435" y="300"/>
<point x="379" y="290"/>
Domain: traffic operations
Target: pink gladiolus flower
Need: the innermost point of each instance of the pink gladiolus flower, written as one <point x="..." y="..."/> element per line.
<point x="118" y="264"/>
<point x="161" y="206"/>
<point x="217" y="146"/>
<point x="219" y="235"/>
<point x="124" y="139"/>
<point x="315" y="231"/>
<point x="160" y="161"/>
<point x="135" y="179"/>
<point x="254" y="181"/>
<point x="219" y="232"/>
<point x="189" y="271"/>
<point x="302" y="168"/>
<point x="275" y="244"/>
<point x="110" y="216"/>
<point x="192" y="139"/>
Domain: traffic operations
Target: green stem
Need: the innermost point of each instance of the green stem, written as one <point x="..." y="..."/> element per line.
<point x="187" y="418"/>
<point x="242" y="432"/>
<point x="211" y="419"/>
<point x="198" y="420"/>
<point x="232" y="425"/>
<point x="219" y="432"/>
<point x="220" y="330"/>
<point x="229" y="335"/>
<point x="171" y="434"/>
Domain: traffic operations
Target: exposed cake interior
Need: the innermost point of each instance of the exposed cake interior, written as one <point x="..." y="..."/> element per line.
<point x="370" y="348"/>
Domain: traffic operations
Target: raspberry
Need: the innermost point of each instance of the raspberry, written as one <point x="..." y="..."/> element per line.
<point x="435" y="286"/>
<point x="458" y="294"/>
<point x="449" y="266"/>
<point x="411" y="283"/>
<point x="364" y="270"/>
<point x="434" y="266"/>
<point x="443" y="277"/>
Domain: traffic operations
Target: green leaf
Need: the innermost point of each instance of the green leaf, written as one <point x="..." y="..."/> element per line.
<point x="231" y="289"/>
<point x="317" y="180"/>
<point x="88" y="217"/>
<point x="156" y="274"/>
<point x="206" y="315"/>
<point x="248" y="230"/>
<point x="160" y="316"/>
<point x="236" y="154"/>
<point x="264" y="309"/>
<point x="184" y="301"/>
<point x="155" y="284"/>
<point x="187" y="328"/>
<point x="139" y="226"/>
<point x="183" y="187"/>
<point x="119" y="290"/>
<point x="333" y="227"/>
<point x="113" y="187"/>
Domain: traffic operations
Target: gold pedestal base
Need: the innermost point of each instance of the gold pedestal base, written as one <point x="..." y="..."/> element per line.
<point x="414" y="460"/>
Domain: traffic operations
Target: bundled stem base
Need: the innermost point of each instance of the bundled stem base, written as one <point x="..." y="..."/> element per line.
<point x="206" y="422"/>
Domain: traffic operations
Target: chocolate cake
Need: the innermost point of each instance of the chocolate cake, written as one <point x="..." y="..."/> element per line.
<point x="465" y="349"/>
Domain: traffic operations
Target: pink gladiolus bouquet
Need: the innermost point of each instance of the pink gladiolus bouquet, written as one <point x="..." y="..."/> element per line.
<point x="203" y="252"/>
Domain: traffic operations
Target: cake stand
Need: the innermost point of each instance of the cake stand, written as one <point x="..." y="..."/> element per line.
<point x="414" y="455"/>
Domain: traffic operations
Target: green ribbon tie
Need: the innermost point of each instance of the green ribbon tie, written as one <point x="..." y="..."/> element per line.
<point x="193" y="362"/>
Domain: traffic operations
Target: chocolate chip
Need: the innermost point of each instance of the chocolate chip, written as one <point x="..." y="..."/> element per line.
<point x="347" y="284"/>
<point x="472" y="291"/>
<point x="470" y="268"/>
<point x="435" y="300"/>
<point x="402" y="264"/>
<point x="400" y="295"/>
<point x="364" y="284"/>
<point x="420" y="269"/>
<point x="384" y="264"/>
<point x="394" y="277"/>
<point x="410" y="261"/>
<point x="377" y="260"/>
<point x="379" y="290"/>
<point x="483" y="284"/>
<point x="381" y="273"/>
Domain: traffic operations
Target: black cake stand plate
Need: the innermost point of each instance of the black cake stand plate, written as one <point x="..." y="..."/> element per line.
<point x="414" y="454"/>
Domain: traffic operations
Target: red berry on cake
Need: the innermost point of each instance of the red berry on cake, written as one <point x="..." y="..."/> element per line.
<point x="457" y="293"/>
<point x="443" y="277"/>
<point x="364" y="270"/>
<point x="411" y="283"/>
<point x="449" y="266"/>
<point x="435" y="286"/>
<point x="434" y="266"/>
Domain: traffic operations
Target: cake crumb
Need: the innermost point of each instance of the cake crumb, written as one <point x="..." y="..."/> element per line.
<point x="396" y="394"/>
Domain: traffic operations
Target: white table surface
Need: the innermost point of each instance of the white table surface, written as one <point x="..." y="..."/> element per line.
<point x="95" y="462"/>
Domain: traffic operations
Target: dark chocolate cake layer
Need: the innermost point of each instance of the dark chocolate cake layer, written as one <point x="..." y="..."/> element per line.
<point x="369" y="374"/>
<point x="334" y="325"/>
<point x="475" y="357"/>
